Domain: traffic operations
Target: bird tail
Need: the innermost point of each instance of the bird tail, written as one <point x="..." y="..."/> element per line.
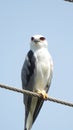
<point x="29" y="117"/>
<point x="28" y="121"/>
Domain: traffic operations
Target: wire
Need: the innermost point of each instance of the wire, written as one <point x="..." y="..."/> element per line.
<point x="36" y="95"/>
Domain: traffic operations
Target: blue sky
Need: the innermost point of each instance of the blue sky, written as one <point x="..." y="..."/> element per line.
<point x="19" y="20"/>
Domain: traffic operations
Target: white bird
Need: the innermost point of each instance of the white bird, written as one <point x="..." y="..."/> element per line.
<point x="36" y="76"/>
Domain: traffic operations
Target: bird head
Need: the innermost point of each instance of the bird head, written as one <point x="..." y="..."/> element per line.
<point x="37" y="42"/>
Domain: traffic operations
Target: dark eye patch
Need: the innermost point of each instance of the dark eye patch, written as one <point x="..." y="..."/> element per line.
<point x="42" y="38"/>
<point x="32" y="38"/>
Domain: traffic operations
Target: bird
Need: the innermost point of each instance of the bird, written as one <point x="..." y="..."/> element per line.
<point x="36" y="76"/>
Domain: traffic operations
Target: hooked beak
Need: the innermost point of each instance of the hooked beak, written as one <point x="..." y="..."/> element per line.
<point x="36" y="41"/>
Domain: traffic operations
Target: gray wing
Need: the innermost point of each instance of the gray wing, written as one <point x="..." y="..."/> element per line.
<point x="28" y="77"/>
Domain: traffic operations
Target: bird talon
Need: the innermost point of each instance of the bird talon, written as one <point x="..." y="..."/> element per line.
<point x="42" y="93"/>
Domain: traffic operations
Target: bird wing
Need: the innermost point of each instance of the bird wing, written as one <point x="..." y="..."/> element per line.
<point x="27" y="77"/>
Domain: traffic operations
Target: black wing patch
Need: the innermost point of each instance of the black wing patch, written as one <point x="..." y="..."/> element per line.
<point x="31" y="65"/>
<point x="28" y="69"/>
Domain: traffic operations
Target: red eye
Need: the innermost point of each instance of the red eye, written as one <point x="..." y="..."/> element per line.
<point x="32" y="38"/>
<point x="42" y="38"/>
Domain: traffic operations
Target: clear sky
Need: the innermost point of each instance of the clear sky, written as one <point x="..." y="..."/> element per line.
<point x="19" y="20"/>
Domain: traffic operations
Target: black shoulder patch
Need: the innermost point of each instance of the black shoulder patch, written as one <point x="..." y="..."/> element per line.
<point x="30" y="54"/>
<point x="31" y="65"/>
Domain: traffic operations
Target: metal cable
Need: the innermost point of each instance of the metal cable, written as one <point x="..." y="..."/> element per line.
<point x="36" y="95"/>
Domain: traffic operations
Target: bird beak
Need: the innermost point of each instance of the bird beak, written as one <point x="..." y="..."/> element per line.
<point x="36" y="41"/>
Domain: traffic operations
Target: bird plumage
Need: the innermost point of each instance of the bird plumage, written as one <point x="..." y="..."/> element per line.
<point x="36" y="76"/>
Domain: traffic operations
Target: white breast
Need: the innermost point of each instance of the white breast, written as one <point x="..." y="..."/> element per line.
<point x="43" y="68"/>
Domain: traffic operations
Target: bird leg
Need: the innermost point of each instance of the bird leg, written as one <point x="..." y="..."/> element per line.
<point x="42" y="93"/>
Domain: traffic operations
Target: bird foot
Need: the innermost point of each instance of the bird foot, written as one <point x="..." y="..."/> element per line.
<point x="42" y="93"/>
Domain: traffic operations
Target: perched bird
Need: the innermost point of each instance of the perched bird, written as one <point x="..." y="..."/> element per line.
<point x="36" y="76"/>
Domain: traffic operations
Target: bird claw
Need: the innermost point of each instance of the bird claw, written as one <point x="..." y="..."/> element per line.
<point x="42" y="93"/>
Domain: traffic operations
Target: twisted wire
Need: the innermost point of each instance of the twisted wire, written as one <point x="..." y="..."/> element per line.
<point x="36" y="95"/>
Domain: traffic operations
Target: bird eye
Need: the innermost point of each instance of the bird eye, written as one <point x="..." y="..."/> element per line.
<point x="32" y="38"/>
<point x="42" y="38"/>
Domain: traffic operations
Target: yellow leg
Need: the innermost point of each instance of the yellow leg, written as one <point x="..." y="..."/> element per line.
<point x="42" y="93"/>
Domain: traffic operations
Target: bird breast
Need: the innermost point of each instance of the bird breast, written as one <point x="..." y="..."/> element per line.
<point x="42" y="72"/>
